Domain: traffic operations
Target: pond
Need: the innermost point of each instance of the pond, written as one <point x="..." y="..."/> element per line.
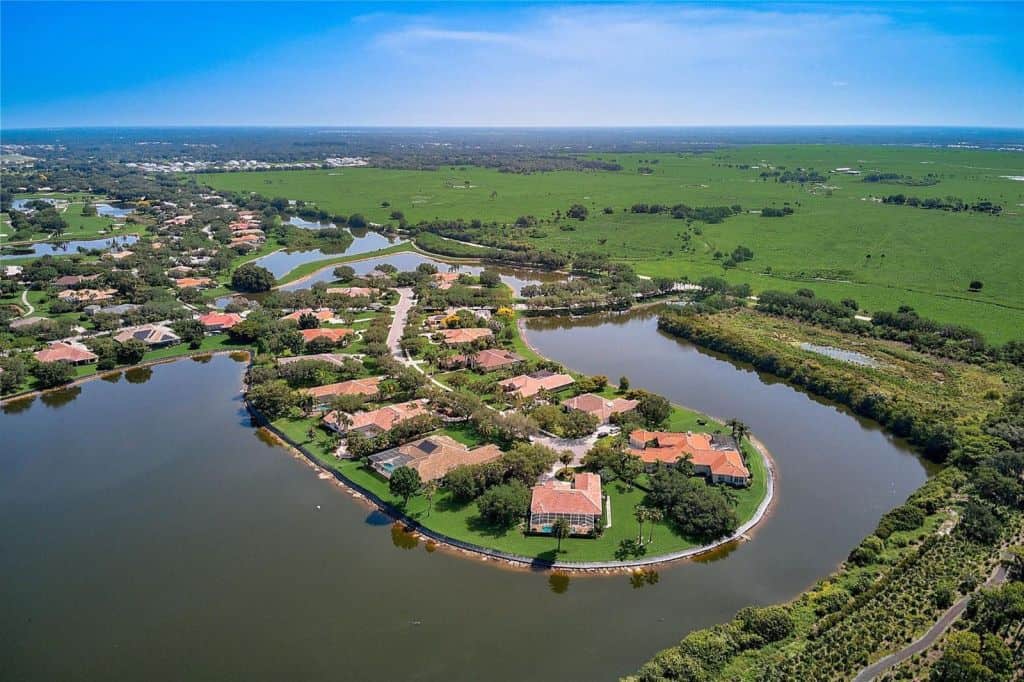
<point x="308" y="225"/>
<point x="22" y="204"/>
<point x="69" y="247"/>
<point x="184" y="544"/>
<point x="280" y="263"/>
<point x="515" y="278"/>
<point x="113" y="211"/>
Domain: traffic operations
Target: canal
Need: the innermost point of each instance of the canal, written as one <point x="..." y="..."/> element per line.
<point x="148" y="531"/>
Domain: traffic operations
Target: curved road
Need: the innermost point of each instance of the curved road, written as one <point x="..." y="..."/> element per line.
<point x="927" y="639"/>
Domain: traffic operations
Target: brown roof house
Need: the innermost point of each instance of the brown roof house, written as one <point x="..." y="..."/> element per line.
<point x="153" y="335"/>
<point x="711" y="454"/>
<point x="71" y="352"/>
<point x="432" y="457"/>
<point x="456" y="337"/>
<point x="602" y="408"/>
<point x="368" y="387"/>
<point x="218" y="322"/>
<point x="529" y="385"/>
<point x="579" y="503"/>
<point x="377" y="421"/>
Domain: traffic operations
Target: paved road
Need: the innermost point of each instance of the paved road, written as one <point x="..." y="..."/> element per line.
<point x="927" y="639"/>
<point x="401" y="313"/>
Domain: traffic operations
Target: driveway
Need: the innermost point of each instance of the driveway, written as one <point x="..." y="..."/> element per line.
<point x="401" y="316"/>
<point x="577" y="446"/>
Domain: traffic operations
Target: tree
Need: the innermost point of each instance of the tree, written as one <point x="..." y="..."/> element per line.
<point x="273" y="398"/>
<point x="640" y="514"/>
<point x="490" y="278"/>
<point x="738" y="429"/>
<point x="979" y="523"/>
<point x="190" y="331"/>
<point x="623" y="383"/>
<point x="654" y="515"/>
<point x="561" y="530"/>
<point x="429" y="491"/>
<point x="357" y="220"/>
<point x="404" y="482"/>
<point x="565" y="458"/>
<point x="308" y="321"/>
<point x="976" y="285"/>
<point x="88" y="209"/>
<point x="50" y="374"/>
<point x="654" y="409"/>
<point x="252" y="278"/>
<point x="771" y="623"/>
<point x="131" y="352"/>
<point x="504" y="505"/>
<point x="344" y="273"/>
<point x="578" y="212"/>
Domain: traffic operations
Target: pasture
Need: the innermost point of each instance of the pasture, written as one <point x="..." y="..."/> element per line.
<point x="840" y="240"/>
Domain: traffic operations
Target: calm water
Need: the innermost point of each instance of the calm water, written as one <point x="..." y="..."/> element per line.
<point x="185" y="547"/>
<point x="516" y="278"/>
<point x="282" y="262"/>
<point x="70" y="247"/>
<point x="307" y="224"/>
<point x="113" y="211"/>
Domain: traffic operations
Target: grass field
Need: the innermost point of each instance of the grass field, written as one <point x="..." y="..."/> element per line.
<point x="923" y="258"/>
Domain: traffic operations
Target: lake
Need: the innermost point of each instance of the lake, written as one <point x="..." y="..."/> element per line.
<point x="113" y="211"/>
<point x="155" y="535"/>
<point x="280" y="263"/>
<point x="69" y="247"/>
<point x="515" y="278"/>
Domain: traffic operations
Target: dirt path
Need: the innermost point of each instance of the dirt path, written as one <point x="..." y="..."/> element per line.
<point x="24" y="299"/>
<point x="929" y="638"/>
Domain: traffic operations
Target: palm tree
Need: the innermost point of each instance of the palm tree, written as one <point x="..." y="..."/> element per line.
<point x="429" y="490"/>
<point x="565" y="458"/>
<point x="653" y="516"/>
<point x="561" y="529"/>
<point x="738" y="428"/>
<point x="640" y="513"/>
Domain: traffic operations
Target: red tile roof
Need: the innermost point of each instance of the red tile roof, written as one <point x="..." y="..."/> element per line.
<point x="383" y="419"/>
<point x="219" y="320"/>
<point x="495" y="358"/>
<point x="369" y="386"/>
<point x="329" y="333"/>
<point x="187" y="282"/>
<point x="582" y="496"/>
<point x="322" y="314"/>
<point x="669" y="447"/>
<point x="65" y="351"/>
<point x="454" y="337"/>
<point x="602" y="408"/>
<point x="529" y="385"/>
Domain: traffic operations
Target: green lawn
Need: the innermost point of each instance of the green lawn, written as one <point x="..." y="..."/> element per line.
<point x="923" y="258"/>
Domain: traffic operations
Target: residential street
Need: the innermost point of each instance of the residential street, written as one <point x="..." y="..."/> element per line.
<point x="401" y="313"/>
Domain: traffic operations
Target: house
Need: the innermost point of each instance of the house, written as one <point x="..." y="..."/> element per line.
<point x="351" y="292"/>
<point x="712" y="455"/>
<point x="322" y="395"/>
<point x="218" y="322"/>
<point x="26" y="322"/>
<point x="579" y="503"/>
<point x="86" y="295"/>
<point x="432" y="457"/>
<point x="73" y="280"/>
<point x="487" y="360"/>
<point x="455" y="337"/>
<point x="529" y="385"/>
<point x="12" y="271"/>
<point x="71" y="352"/>
<point x="600" y="407"/>
<point x="333" y="334"/>
<point x="377" y="421"/>
<point x="336" y="359"/>
<point x="118" y="255"/>
<point x="153" y="335"/>
<point x="444" y="280"/>
<point x="119" y="310"/>
<point x="321" y="314"/>
<point x="193" y="282"/>
<point x="178" y="221"/>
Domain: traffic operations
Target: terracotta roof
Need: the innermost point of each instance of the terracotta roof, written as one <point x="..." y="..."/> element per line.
<point x="383" y="419"/>
<point x="528" y="385"/>
<point x="337" y="359"/>
<point x="453" y="337"/>
<point x="720" y="460"/>
<point x="220" y="320"/>
<point x="600" y="407"/>
<point x="322" y="314"/>
<point x="150" y="334"/>
<point x="582" y="496"/>
<point x="86" y="295"/>
<point x="368" y="386"/>
<point x="65" y="351"/>
<point x="186" y="282"/>
<point x="445" y="280"/>
<point x="495" y="358"/>
<point x="329" y="333"/>
<point x="435" y="456"/>
<point x="352" y="292"/>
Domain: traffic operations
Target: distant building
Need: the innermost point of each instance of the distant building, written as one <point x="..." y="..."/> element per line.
<point x="529" y="385"/>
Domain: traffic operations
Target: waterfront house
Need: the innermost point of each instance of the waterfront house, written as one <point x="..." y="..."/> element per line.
<point x="444" y="280"/>
<point x="375" y="422"/>
<point x="351" y="292"/>
<point x="321" y="314"/>
<point x="432" y="457"/>
<point x="322" y="395"/>
<point x="600" y="407"/>
<point x="336" y="359"/>
<point x="579" y="503"/>
<point x="71" y="352"/>
<point x="529" y="385"/>
<point x="86" y="295"/>
<point x="488" y="360"/>
<point x="216" y="322"/>
<point x="334" y="334"/>
<point x="712" y="455"/>
<point x="153" y="335"/>
<point x="457" y="337"/>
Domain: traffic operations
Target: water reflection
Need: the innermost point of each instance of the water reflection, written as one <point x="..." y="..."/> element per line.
<point x="718" y="553"/>
<point x="558" y="582"/>
<point x="430" y="546"/>
<point x="402" y="538"/>
<point x="202" y="358"/>
<point x="58" y="399"/>
<point x="66" y="247"/>
<point x="267" y="438"/>
<point x="282" y="262"/>
<point x="239" y="356"/>
<point x="643" y="577"/>
<point x="138" y="375"/>
<point x="19" y="405"/>
<point x="111" y="377"/>
<point x="378" y="518"/>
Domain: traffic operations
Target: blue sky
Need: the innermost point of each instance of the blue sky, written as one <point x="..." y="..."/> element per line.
<point x="567" y="64"/>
